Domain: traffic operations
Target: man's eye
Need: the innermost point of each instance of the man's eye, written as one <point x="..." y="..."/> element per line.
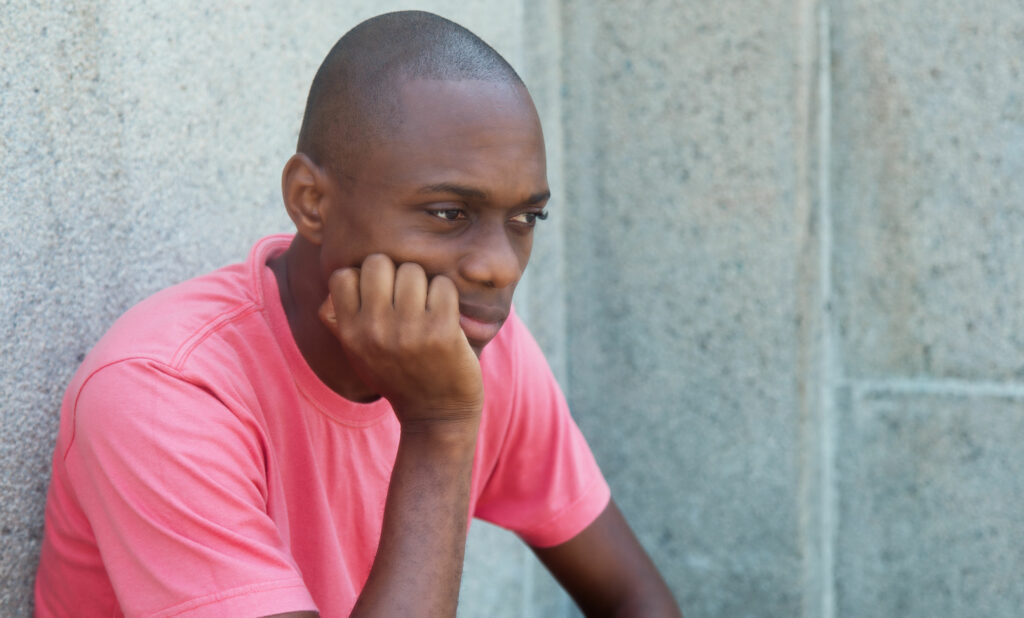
<point x="530" y="218"/>
<point x="449" y="214"/>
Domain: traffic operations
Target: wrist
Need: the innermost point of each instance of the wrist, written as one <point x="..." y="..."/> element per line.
<point x="449" y="435"/>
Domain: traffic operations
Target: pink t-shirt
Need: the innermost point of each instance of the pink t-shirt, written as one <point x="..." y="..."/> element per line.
<point x="202" y="469"/>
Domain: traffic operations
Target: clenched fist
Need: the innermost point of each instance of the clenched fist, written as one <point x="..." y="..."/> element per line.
<point x="401" y="334"/>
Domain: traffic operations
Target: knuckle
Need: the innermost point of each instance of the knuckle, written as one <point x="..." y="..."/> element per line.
<point x="374" y="334"/>
<point x="437" y="339"/>
<point x="377" y="262"/>
<point x="442" y="286"/>
<point x="340" y="278"/>
<point x="412" y="270"/>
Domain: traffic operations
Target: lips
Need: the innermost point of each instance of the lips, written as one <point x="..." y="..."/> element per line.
<point x="481" y="324"/>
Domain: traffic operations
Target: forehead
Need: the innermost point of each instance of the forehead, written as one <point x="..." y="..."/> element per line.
<point x="425" y="104"/>
<point x="460" y="131"/>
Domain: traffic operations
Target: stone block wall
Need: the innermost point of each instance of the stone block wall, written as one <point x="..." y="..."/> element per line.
<point x="781" y="281"/>
<point x="927" y="201"/>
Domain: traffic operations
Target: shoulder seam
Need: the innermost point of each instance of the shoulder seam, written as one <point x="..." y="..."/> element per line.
<point x="209" y="328"/>
<point x="85" y="382"/>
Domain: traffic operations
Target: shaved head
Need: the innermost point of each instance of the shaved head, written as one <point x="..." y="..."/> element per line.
<point x="353" y="101"/>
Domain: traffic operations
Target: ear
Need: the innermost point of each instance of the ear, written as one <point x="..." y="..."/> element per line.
<point x="305" y="187"/>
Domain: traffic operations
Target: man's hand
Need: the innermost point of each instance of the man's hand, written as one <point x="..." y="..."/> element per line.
<point x="401" y="334"/>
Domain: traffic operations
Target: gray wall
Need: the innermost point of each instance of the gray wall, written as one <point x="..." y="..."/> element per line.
<point x="781" y="283"/>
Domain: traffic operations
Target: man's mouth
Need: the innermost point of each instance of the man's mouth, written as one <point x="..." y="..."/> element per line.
<point x="481" y="324"/>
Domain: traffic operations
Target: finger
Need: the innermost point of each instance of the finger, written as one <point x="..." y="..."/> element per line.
<point x="410" y="290"/>
<point x="343" y="292"/>
<point x="443" y="298"/>
<point x="377" y="284"/>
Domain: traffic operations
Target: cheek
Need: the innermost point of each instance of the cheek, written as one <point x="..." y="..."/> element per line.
<point x="436" y="256"/>
<point x="347" y="244"/>
<point x="522" y="246"/>
<point x="340" y="252"/>
<point x="526" y="248"/>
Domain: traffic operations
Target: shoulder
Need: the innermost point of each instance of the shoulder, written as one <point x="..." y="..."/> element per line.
<point x="180" y="338"/>
<point x="204" y="344"/>
<point x="159" y="325"/>
<point x="170" y="325"/>
<point x="168" y="359"/>
<point x="136" y="404"/>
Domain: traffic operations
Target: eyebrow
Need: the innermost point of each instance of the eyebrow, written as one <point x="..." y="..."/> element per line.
<point x="537" y="198"/>
<point x="471" y="193"/>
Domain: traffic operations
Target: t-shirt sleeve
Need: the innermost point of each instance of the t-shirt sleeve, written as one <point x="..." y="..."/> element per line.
<point x="546" y="485"/>
<point x="173" y="485"/>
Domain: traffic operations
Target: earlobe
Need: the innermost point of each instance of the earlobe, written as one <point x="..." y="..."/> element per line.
<point x="304" y="189"/>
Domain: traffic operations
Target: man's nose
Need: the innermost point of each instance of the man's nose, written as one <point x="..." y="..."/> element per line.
<point x="492" y="260"/>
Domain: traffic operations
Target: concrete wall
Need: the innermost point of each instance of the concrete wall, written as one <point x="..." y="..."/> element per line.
<point x="928" y="210"/>
<point x="781" y="282"/>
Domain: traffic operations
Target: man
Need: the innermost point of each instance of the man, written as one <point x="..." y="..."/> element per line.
<point x="310" y="431"/>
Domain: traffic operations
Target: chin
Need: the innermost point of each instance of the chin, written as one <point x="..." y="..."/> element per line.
<point x="478" y="346"/>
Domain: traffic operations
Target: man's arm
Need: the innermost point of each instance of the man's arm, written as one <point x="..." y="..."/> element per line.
<point x="608" y="573"/>
<point x="605" y="570"/>
<point x="401" y="333"/>
<point x="419" y="561"/>
<point x="418" y="565"/>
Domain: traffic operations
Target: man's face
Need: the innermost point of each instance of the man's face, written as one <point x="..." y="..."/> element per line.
<point x="455" y="188"/>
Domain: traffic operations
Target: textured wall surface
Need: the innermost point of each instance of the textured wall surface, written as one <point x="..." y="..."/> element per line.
<point x="684" y="337"/>
<point x="928" y="203"/>
<point x="780" y="283"/>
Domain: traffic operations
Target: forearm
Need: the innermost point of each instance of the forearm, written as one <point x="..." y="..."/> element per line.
<point x="656" y="602"/>
<point x="607" y="572"/>
<point x="645" y="596"/>
<point x="649" y="598"/>
<point x="400" y="332"/>
<point x="418" y="566"/>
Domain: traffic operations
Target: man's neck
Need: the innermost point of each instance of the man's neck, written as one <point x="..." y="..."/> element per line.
<point x="302" y="291"/>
